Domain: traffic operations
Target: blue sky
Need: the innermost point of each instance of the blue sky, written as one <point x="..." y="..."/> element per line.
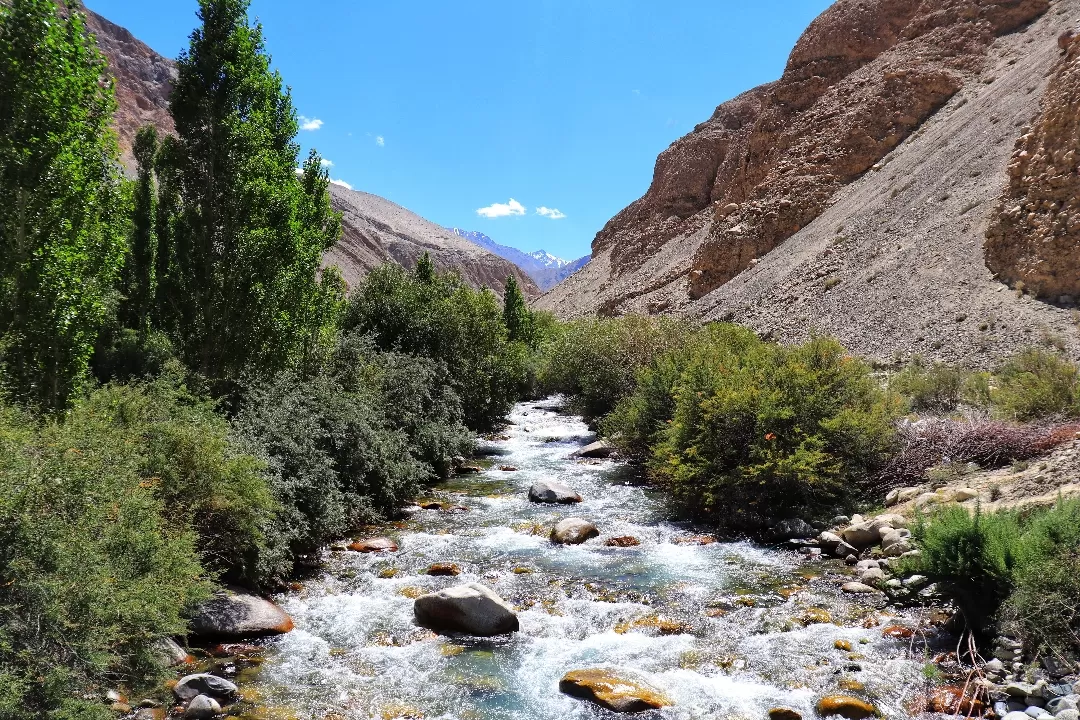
<point x="450" y="108"/>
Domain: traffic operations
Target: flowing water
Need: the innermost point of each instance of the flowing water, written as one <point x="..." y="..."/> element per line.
<point x="727" y="630"/>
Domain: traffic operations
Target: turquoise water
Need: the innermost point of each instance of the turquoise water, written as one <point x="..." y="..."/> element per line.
<point x="735" y="643"/>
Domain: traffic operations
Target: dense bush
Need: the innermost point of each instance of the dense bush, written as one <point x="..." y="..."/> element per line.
<point x="1036" y="384"/>
<point x="1016" y="570"/>
<point x="437" y="316"/>
<point x="595" y="362"/>
<point x="111" y="524"/>
<point x="739" y="430"/>
<point x="930" y="388"/>
<point x="349" y="446"/>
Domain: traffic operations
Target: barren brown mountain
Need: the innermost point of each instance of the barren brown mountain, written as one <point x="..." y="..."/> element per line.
<point x="376" y="230"/>
<point x="851" y="196"/>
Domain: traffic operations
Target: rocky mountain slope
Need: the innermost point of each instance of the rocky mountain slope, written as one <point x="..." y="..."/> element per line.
<point x="852" y="196"/>
<point x="376" y="230"/>
<point x="545" y="269"/>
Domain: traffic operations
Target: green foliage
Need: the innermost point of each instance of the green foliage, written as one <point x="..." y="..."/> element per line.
<point x="243" y="232"/>
<point x="1037" y="384"/>
<point x="1019" y="569"/>
<point x="516" y="315"/>
<point x="930" y="388"/>
<point x="595" y="362"/>
<point x="447" y="321"/>
<point x="351" y="446"/>
<point x="61" y="224"/>
<point x="102" y="538"/>
<point x="762" y="431"/>
<point x="140" y="282"/>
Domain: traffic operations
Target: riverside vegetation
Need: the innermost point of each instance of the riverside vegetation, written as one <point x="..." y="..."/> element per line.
<point x="190" y="401"/>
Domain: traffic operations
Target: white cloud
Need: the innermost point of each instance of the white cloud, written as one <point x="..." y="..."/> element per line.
<point x="326" y="163"/>
<point x="310" y="124"/>
<point x="502" y="209"/>
<point x="342" y="183"/>
<point x="380" y="140"/>
<point x="552" y="213"/>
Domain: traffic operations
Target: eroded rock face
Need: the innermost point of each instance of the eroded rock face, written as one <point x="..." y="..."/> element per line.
<point x="863" y="77"/>
<point x="1034" y="237"/>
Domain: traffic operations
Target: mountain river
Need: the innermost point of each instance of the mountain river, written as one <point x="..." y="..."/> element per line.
<point x="726" y="630"/>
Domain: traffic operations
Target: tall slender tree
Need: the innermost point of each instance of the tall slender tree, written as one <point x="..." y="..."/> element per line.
<point x="516" y="315"/>
<point x="61" y="220"/>
<point x="249" y="231"/>
<point x="141" y="279"/>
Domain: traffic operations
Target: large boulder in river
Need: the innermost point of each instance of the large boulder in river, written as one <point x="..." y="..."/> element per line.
<point x="547" y="491"/>
<point x="472" y="609"/>
<point x="234" y="616"/>
<point x="573" y="531"/>
<point x="617" y="690"/>
<point x="192" y="686"/>
<point x="203" y="707"/>
<point x="379" y="544"/>
<point x="599" y="449"/>
<point x="791" y="530"/>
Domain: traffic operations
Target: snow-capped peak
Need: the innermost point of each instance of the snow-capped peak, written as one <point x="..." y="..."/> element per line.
<point x="548" y="260"/>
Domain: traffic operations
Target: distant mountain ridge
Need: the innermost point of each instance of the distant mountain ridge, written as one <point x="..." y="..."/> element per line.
<point x="545" y="269"/>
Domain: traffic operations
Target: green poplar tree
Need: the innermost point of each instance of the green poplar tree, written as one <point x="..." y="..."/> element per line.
<point x="516" y="315"/>
<point x="425" y="269"/>
<point x="249" y="231"/>
<point x="141" y="275"/>
<point x="62" y="229"/>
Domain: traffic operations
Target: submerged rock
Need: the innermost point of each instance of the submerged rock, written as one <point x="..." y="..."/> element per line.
<point x="547" y="491"/>
<point x="780" y="713"/>
<point x="192" y="686"/>
<point x="616" y="690"/>
<point x="472" y="609"/>
<point x="444" y="569"/>
<point x="622" y="541"/>
<point x="695" y="540"/>
<point x="375" y="545"/>
<point x="234" y="615"/>
<point x="573" y="531"/>
<point x="845" y="706"/>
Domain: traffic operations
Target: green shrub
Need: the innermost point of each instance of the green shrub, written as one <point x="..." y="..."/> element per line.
<point x="95" y="566"/>
<point x="1018" y="570"/>
<point x="761" y="431"/>
<point x="435" y="315"/>
<point x="930" y="388"/>
<point x="350" y="446"/>
<point x="973" y="555"/>
<point x="1037" y="384"/>
<point x="595" y="362"/>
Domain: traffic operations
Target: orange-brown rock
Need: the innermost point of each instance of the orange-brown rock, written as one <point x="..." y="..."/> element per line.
<point x="696" y="540"/>
<point x="374" y="545"/>
<point x="898" y="631"/>
<point x="845" y="706"/>
<point x="779" y="713"/>
<point x="616" y="690"/>
<point x="1034" y="237"/>
<point x="444" y="569"/>
<point x="622" y="541"/>
<point x="951" y="700"/>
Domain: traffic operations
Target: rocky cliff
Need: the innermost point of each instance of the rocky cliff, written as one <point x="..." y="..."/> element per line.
<point x="851" y="196"/>
<point x="376" y="230"/>
<point x="1034" y="236"/>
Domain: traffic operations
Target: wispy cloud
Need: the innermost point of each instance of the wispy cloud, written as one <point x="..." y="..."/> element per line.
<point x="342" y="183"/>
<point x="502" y="209"/>
<point x="310" y="124"/>
<point x="552" y="213"/>
<point x="380" y="140"/>
<point x="326" y="163"/>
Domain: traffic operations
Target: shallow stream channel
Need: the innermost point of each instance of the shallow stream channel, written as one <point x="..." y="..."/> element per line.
<point x="724" y="630"/>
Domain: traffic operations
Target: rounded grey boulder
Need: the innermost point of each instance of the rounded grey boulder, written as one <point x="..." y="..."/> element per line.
<point x="573" y="531"/>
<point x="203" y="707"/>
<point x="472" y="609"/>
<point x="547" y="491"/>
<point x="235" y="616"/>
<point x="192" y="686"/>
